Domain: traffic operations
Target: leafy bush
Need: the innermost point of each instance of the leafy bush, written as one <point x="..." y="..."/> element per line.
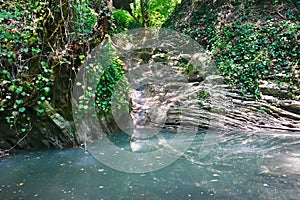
<point x="160" y="10"/>
<point x="123" y="21"/>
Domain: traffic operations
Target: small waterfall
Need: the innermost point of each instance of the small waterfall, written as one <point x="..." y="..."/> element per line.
<point x="143" y="119"/>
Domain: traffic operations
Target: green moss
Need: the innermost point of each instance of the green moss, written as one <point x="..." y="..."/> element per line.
<point x="203" y="96"/>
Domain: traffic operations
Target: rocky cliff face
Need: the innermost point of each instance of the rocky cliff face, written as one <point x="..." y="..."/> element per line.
<point x="208" y="103"/>
<point x="174" y="89"/>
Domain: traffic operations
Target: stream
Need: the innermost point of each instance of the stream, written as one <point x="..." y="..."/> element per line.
<point x="239" y="166"/>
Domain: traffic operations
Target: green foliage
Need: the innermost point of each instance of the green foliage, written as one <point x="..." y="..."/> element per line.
<point x="160" y="10"/>
<point x="32" y="54"/>
<point x="247" y="53"/>
<point x="110" y="84"/>
<point x="86" y="19"/>
<point x="21" y="47"/>
<point x="203" y="97"/>
<point x="250" y="42"/>
<point x="200" y="24"/>
<point x="124" y="21"/>
<point x="113" y="75"/>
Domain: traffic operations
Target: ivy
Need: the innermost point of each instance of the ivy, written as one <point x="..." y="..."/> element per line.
<point x="247" y="53"/>
<point x="106" y="90"/>
<point x="20" y="47"/>
<point x="30" y="60"/>
<point x="250" y="41"/>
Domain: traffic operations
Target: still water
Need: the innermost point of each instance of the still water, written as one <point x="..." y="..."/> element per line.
<point x="239" y="166"/>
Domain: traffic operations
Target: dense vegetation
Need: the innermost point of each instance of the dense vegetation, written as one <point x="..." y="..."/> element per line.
<point x="250" y="40"/>
<point x="42" y="44"/>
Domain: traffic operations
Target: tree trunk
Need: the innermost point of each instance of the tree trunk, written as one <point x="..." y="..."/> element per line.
<point x="144" y="9"/>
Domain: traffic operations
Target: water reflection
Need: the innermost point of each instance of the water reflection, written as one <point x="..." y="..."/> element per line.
<point x="240" y="166"/>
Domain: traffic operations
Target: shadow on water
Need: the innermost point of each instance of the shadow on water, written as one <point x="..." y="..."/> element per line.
<point x="239" y="166"/>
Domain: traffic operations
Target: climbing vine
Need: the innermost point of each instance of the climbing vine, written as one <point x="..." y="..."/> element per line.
<point x="42" y="44"/>
<point x="250" y="40"/>
<point x="25" y="73"/>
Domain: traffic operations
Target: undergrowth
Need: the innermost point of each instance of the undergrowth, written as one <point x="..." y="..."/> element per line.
<point x="250" y="41"/>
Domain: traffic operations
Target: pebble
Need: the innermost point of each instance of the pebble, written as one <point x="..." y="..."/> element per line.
<point x="20" y="184"/>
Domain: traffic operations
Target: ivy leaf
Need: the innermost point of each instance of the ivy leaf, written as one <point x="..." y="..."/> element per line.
<point x="19" y="90"/>
<point x="10" y="61"/>
<point x="47" y="90"/>
<point x="19" y="101"/>
<point x="15" y="113"/>
<point x="21" y="110"/>
<point x="13" y="88"/>
<point x="81" y="57"/>
<point x="43" y="63"/>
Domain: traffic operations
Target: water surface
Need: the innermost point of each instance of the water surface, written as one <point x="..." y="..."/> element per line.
<point x="239" y="166"/>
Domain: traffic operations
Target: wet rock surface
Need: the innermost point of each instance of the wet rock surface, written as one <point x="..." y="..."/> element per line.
<point x="51" y="130"/>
